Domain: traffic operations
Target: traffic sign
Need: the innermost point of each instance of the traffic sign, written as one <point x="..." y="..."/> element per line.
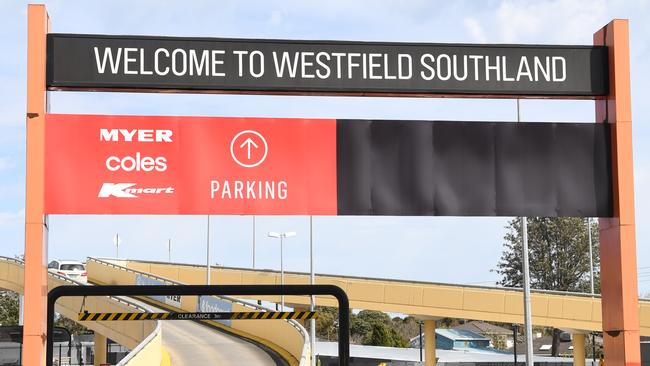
<point x="285" y="166"/>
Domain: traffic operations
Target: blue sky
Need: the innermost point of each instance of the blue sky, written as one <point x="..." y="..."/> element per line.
<point x="442" y="249"/>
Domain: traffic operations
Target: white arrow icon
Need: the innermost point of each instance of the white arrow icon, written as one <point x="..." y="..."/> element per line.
<point x="249" y="138"/>
<point x="248" y="143"/>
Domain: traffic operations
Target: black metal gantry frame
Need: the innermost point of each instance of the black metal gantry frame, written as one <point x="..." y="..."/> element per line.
<point x="196" y="290"/>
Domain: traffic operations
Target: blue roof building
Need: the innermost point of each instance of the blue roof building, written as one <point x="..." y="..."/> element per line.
<point x="458" y="339"/>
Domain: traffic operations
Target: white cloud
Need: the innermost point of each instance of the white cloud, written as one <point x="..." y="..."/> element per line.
<point x="475" y="30"/>
<point x="563" y="21"/>
<point x="553" y="21"/>
<point x="6" y="163"/>
<point x="276" y="17"/>
<point x="641" y="175"/>
<point x="12" y="218"/>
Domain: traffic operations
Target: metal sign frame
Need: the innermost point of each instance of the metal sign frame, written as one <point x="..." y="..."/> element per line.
<point x="618" y="243"/>
<point x="196" y="290"/>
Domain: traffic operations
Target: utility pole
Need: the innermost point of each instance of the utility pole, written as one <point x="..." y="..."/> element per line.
<point x="591" y="257"/>
<point x="312" y="280"/>
<point x="282" y="268"/>
<point x="281" y="236"/>
<point x="169" y="250"/>
<point x="117" y="241"/>
<point x="21" y="310"/>
<point x="207" y="255"/>
<point x="527" y="316"/>
<point x="593" y="291"/>
<point x="421" y="339"/>
<point x="515" y="331"/>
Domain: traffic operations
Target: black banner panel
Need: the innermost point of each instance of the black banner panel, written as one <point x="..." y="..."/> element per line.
<point x="99" y="62"/>
<point x="473" y="168"/>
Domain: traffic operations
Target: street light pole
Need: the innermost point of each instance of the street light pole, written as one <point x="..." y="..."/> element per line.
<point x="312" y="280"/>
<point x="116" y="241"/>
<point x="207" y="254"/>
<point x="514" y="340"/>
<point x="169" y="250"/>
<point x="421" y="338"/>
<point x="593" y="349"/>
<point x="282" y="269"/>
<point x="591" y="257"/>
<point x="527" y="315"/>
<point x="591" y="278"/>
<point x="281" y="236"/>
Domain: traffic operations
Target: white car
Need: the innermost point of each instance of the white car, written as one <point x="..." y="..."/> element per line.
<point x="70" y="269"/>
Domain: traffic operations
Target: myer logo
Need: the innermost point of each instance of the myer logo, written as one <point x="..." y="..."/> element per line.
<point x="128" y="190"/>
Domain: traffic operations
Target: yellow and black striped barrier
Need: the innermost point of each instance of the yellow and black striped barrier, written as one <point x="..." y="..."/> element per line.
<point x="253" y="315"/>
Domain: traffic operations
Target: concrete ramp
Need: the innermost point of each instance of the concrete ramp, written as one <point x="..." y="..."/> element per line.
<point x="286" y="338"/>
<point x="175" y="343"/>
<point x="570" y="311"/>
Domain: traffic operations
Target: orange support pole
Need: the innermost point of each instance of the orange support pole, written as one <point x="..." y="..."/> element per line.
<point x="620" y="304"/>
<point x="34" y="330"/>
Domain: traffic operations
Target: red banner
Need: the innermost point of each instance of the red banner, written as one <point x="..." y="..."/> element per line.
<point x="190" y="165"/>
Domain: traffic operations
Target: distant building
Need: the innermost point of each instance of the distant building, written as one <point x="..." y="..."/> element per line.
<point x="543" y="345"/>
<point x="457" y="339"/>
<point x="501" y="338"/>
<point x="326" y="353"/>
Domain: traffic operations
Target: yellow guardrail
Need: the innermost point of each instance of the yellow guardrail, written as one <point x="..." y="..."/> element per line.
<point x="287" y="337"/>
<point x="148" y="353"/>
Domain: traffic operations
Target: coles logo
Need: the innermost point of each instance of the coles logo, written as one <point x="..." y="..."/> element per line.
<point x="130" y="190"/>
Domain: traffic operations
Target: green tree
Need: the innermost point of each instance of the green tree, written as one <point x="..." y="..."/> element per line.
<point x="382" y="334"/>
<point x="376" y="328"/>
<point x="8" y="308"/>
<point x="408" y="327"/>
<point x="327" y="323"/>
<point x="367" y="327"/>
<point x="558" y="256"/>
<point x="73" y="327"/>
<point x="379" y="335"/>
<point x="448" y="322"/>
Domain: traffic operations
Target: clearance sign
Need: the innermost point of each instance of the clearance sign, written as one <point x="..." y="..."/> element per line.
<point x="211" y="165"/>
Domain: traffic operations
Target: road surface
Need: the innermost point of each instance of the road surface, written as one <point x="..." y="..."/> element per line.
<point x="191" y="344"/>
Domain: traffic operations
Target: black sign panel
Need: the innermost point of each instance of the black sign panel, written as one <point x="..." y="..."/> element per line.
<point x="322" y="67"/>
<point x="473" y="168"/>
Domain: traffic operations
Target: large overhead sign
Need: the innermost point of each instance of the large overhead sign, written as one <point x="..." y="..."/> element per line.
<point x="211" y="165"/>
<point x="215" y="64"/>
